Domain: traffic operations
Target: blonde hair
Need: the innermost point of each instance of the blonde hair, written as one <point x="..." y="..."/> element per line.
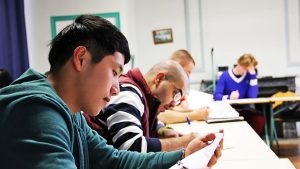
<point x="247" y="60"/>
<point x="183" y="57"/>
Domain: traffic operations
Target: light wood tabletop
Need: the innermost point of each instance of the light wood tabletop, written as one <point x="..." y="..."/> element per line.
<point x="243" y="148"/>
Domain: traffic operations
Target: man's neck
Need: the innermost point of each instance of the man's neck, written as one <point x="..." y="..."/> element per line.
<point x="64" y="88"/>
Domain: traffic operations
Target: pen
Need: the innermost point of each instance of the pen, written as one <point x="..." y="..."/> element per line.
<point x="189" y="123"/>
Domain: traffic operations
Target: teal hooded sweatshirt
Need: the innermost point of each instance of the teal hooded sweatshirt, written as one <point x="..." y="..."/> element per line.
<point x="37" y="130"/>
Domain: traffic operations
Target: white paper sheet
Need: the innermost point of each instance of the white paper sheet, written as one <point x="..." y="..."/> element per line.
<point x="218" y="109"/>
<point x="200" y="158"/>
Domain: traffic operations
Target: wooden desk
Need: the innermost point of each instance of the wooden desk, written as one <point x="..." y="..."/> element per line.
<point x="261" y="100"/>
<point x="256" y="164"/>
<point x="243" y="148"/>
<point x="265" y="102"/>
<point x="240" y="140"/>
<point x="270" y="130"/>
<point x="247" y="101"/>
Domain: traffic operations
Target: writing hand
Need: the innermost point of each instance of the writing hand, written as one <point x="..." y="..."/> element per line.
<point x="234" y="95"/>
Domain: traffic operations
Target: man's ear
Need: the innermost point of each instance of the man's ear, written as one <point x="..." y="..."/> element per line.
<point x="159" y="77"/>
<point x="79" y="57"/>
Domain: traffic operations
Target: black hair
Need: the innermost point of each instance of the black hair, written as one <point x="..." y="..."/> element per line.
<point x="5" y="78"/>
<point x="99" y="36"/>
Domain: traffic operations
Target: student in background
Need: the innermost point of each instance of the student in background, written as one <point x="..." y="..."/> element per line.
<point x="130" y="119"/>
<point x="181" y="112"/>
<point x="241" y="82"/>
<point x="5" y="78"/>
<point x="41" y="123"/>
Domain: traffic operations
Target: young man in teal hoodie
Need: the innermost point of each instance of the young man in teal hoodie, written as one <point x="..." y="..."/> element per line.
<point x="41" y="124"/>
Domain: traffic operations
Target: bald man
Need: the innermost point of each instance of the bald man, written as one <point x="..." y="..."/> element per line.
<point x="182" y="111"/>
<point x="129" y="122"/>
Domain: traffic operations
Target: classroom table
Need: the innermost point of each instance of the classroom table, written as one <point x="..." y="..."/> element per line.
<point x="268" y="111"/>
<point x="256" y="164"/>
<point x="243" y="148"/>
<point x="240" y="140"/>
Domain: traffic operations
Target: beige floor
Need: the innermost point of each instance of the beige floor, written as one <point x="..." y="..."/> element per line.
<point x="290" y="148"/>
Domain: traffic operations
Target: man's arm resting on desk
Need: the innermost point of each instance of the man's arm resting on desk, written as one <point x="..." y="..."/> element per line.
<point x="170" y="116"/>
<point x="176" y="143"/>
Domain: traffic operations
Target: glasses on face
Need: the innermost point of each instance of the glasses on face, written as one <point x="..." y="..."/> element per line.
<point x="177" y="95"/>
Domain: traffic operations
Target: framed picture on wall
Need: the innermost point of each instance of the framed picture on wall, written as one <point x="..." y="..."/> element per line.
<point x="59" y="22"/>
<point x="162" y="36"/>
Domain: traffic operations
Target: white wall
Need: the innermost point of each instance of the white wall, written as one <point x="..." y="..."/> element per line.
<point x="153" y="15"/>
<point x="235" y="27"/>
<point x="38" y="13"/>
<point x="269" y="29"/>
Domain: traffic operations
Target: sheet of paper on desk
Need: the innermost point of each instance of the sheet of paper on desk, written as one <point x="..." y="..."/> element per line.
<point x="222" y="110"/>
<point x="218" y="109"/>
<point x="200" y="158"/>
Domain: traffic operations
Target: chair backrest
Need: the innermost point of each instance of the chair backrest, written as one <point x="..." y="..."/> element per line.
<point x="281" y="94"/>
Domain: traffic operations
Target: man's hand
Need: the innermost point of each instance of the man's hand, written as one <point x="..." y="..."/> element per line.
<point x="176" y="143"/>
<point x="201" y="142"/>
<point x="234" y="95"/>
<point x="201" y="113"/>
<point x="167" y="132"/>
